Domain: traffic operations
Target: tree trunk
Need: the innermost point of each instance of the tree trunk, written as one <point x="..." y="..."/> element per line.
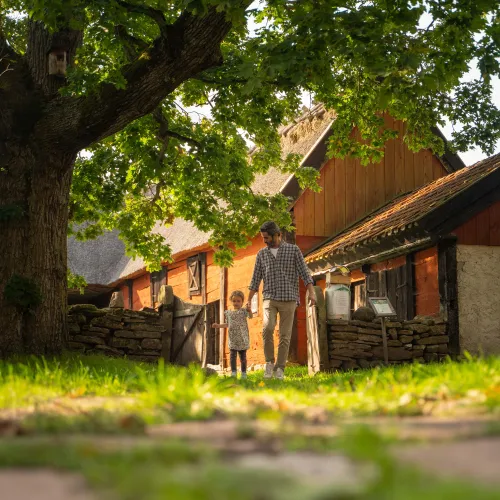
<point x="34" y="193"/>
<point x="41" y="132"/>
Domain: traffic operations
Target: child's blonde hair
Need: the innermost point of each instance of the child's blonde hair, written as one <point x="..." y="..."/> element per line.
<point x="237" y="293"/>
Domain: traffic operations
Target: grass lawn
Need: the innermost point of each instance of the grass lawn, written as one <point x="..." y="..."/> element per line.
<point x="76" y="394"/>
<point x="169" y="393"/>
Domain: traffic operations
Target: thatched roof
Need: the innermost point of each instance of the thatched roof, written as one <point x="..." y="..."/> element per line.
<point x="103" y="261"/>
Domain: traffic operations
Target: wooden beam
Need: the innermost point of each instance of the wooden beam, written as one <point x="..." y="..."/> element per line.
<point x="183" y="313"/>
<point x="448" y="290"/>
<point x="387" y="249"/>
<point x="130" y="285"/>
<point x="203" y="277"/>
<point x="463" y="206"/>
<point x="222" y="308"/>
<point x="167" y="305"/>
<point x="410" y="284"/>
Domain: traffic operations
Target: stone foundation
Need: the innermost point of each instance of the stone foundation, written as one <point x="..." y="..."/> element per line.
<point x="115" y="332"/>
<point x="358" y="344"/>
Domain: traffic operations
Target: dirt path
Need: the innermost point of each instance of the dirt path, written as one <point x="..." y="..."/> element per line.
<point x="42" y="484"/>
<point x="450" y="448"/>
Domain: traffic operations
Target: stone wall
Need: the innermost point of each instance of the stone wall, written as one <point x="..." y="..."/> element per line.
<point x="115" y="332"/>
<point x="358" y="344"/>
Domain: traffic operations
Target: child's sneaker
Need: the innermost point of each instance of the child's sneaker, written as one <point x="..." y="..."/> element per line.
<point x="269" y="370"/>
<point x="234" y="374"/>
<point x="280" y="374"/>
<point x="243" y="376"/>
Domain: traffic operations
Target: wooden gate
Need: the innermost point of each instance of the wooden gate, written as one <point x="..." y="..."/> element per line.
<point x="193" y="339"/>
<point x="188" y="332"/>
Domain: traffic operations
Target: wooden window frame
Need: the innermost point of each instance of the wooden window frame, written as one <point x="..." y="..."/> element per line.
<point x="398" y="284"/>
<point x="196" y="274"/>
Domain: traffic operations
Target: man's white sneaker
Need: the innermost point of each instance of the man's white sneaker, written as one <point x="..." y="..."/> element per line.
<point x="280" y="374"/>
<point x="269" y="370"/>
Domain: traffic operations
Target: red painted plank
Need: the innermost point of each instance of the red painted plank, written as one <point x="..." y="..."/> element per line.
<point x="350" y="190"/>
<point x="495" y="224"/>
<point x="399" y="159"/>
<point x="340" y="195"/>
<point x="389" y="164"/>
<point x="319" y="207"/>
<point x="330" y="203"/>
<point x="483" y="227"/>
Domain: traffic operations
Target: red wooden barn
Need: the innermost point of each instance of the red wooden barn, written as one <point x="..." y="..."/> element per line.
<point x="351" y="192"/>
<point x="433" y="251"/>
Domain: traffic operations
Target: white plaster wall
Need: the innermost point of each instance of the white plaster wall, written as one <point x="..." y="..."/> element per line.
<point x="478" y="277"/>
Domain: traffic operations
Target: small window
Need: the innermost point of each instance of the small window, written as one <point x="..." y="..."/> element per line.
<point x="194" y="265"/>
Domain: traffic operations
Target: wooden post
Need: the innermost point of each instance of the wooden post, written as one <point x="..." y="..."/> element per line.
<point x="166" y="299"/>
<point x="384" y="342"/>
<point x="222" y="308"/>
<point x="130" y="286"/>
<point x="317" y="341"/>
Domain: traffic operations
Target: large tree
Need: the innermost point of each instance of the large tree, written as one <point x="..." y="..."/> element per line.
<point x="97" y="124"/>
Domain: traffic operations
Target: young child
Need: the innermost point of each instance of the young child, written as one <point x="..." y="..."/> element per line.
<point x="237" y="325"/>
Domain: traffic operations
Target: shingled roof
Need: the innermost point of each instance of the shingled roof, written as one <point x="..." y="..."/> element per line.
<point x="431" y="210"/>
<point x="103" y="260"/>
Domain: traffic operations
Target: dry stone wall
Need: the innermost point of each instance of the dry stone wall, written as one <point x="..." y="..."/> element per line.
<point x="358" y="344"/>
<point x="115" y="332"/>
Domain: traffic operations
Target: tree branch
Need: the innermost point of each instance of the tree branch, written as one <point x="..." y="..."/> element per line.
<point x="165" y="132"/>
<point x="278" y="82"/>
<point x="155" y="14"/>
<point x="7" y="53"/>
<point x="131" y="44"/>
<point x="191" y="45"/>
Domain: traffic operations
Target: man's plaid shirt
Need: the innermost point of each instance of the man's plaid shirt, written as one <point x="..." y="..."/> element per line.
<point x="280" y="273"/>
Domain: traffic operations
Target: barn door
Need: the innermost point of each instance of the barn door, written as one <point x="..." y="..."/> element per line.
<point x="188" y="333"/>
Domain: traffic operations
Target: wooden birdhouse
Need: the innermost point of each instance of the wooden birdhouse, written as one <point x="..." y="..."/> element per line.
<point x="58" y="60"/>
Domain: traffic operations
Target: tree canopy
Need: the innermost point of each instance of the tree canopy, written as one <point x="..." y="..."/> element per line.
<point x="159" y="141"/>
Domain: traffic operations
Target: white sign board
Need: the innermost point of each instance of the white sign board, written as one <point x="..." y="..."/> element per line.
<point x="338" y="302"/>
<point x="382" y="306"/>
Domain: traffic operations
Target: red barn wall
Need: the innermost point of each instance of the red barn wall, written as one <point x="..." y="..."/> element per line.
<point x="351" y="190"/>
<point x="482" y="229"/>
<point x="427" y="301"/>
<point x="141" y="292"/>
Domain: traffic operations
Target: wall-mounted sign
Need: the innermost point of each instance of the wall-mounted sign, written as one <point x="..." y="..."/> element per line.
<point x="382" y="306"/>
<point x="338" y="302"/>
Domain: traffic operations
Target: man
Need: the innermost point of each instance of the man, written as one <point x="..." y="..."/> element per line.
<point x="279" y="265"/>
